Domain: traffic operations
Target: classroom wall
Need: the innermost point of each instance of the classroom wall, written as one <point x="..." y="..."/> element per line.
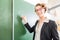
<point x="5" y="20"/>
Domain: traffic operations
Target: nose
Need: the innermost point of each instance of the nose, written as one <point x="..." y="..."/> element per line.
<point x="38" y="9"/>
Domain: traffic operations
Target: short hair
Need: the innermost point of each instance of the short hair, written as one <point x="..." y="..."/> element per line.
<point x="42" y="5"/>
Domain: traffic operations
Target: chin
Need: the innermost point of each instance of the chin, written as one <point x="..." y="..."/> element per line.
<point x="41" y="15"/>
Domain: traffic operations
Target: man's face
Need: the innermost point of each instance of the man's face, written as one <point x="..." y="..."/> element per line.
<point x="39" y="11"/>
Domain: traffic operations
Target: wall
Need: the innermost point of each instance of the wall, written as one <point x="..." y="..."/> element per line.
<point x="5" y="20"/>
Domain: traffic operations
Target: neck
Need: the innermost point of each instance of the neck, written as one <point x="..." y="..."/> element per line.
<point x="42" y="18"/>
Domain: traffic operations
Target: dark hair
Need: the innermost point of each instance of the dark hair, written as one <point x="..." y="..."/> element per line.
<point x="42" y="5"/>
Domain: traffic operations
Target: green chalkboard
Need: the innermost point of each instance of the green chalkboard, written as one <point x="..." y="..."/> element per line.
<point x="21" y="8"/>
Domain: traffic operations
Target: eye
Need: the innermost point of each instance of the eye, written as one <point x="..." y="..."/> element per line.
<point x="42" y="5"/>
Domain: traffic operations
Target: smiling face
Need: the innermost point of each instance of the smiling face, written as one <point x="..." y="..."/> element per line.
<point x="40" y="10"/>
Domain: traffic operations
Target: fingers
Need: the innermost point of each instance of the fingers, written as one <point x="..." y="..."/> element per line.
<point x="24" y="19"/>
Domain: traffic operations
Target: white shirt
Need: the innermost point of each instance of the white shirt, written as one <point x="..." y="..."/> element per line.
<point x="38" y="31"/>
